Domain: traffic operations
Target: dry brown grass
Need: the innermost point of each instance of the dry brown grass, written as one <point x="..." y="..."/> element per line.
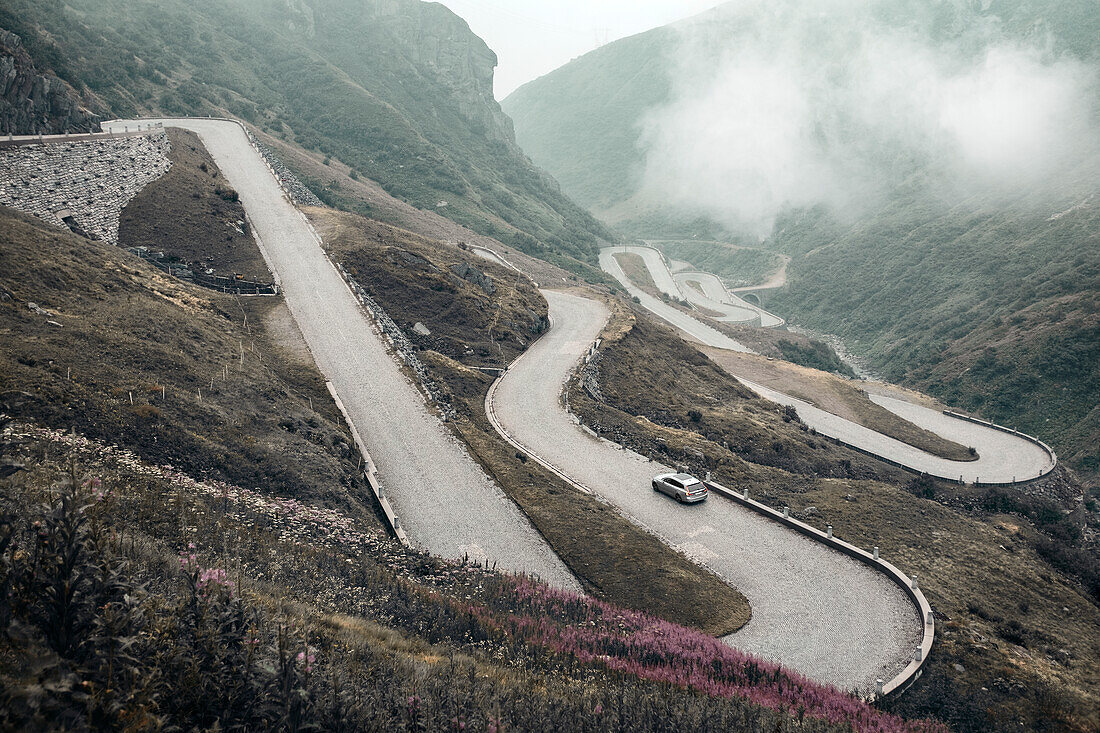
<point x="125" y="326"/>
<point x="183" y="214"/>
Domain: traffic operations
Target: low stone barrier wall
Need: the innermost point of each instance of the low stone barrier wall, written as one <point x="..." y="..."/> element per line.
<point x="401" y="344"/>
<point x="295" y="189"/>
<point x="908" y="584"/>
<point x="81" y="184"/>
<point x="14" y="141"/>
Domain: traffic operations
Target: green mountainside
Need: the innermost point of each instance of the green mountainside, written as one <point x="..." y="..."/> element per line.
<point x="987" y="299"/>
<point x="401" y="91"/>
<point x="583" y="122"/>
<point x="580" y="120"/>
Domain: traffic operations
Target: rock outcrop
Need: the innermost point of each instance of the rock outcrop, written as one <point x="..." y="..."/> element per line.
<point x="442" y="43"/>
<point x="34" y="103"/>
<point x="429" y="36"/>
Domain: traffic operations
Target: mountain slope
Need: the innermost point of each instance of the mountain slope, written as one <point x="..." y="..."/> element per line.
<point x="400" y="91"/>
<point x="581" y="120"/>
<point x="953" y="244"/>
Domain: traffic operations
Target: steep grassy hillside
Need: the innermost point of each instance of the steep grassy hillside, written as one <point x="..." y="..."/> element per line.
<point x="580" y="121"/>
<point x="994" y="312"/>
<point x="178" y="374"/>
<point x="400" y="91"/>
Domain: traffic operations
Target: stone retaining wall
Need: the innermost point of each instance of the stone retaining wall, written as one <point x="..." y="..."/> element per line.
<point x="82" y="185"/>
<point x="294" y="188"/>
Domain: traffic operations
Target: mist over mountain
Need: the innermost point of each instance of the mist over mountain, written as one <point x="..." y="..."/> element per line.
<point x="931" y="167"/>
<point x="793" y="104"/>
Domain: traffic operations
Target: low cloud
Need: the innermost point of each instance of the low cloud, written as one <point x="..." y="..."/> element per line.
<point x="793" y="104"/>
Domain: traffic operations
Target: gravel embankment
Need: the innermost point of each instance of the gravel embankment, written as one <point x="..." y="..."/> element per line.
<point x="446" y="503"/>
<point x="814" y="610"/>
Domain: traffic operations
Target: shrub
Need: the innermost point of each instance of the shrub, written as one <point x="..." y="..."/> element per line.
<point x="227" y="194"/>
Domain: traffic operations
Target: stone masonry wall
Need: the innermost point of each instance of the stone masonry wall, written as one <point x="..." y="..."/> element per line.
<point x="294" y="188"/>
<point x="83" y="185"/>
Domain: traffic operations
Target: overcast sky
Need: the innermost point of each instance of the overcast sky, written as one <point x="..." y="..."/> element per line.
<point x="534" y="37"/>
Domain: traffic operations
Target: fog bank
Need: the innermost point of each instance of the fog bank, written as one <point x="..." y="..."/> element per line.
<point x="789" y="103"/>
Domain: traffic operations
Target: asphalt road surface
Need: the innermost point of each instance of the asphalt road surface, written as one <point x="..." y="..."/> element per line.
<point x="814" y="609"/>
<point x="444" y="500"/>
<point x="660" y="273"/>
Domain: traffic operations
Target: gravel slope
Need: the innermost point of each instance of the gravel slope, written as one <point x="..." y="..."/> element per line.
<point x="446" y="503"/>
<point x="1002" y="457"/>
<point x="814" y="610"/>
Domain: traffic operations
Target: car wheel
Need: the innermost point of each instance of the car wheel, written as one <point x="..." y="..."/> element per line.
<point x="655" y="486"/>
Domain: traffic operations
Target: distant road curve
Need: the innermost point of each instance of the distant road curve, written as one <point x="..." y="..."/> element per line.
<point x="716" y="296"/>
<point x="694" y="328"/>
<point x="444" y="500"/>
<point x="814" y="610"/>
<point x="655" y="263"/>
<point x="1004" y="457"/>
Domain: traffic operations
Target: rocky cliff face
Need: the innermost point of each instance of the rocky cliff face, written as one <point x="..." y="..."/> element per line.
<point x="442" y="43"/>
<point x="32" y="102"/>
<point x="438" y="43"/>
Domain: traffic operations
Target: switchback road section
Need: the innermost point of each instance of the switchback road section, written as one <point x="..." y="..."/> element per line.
<point x="444" y="500"/>
<point x="1004" y="456"/>
<point x="814" y="610"/>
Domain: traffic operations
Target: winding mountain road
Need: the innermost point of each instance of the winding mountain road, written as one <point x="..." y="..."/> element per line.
<point x="701" y="332"/>
<point x="1003" y="457"/>
<point x="713" y="295"/>
<point x="444" y="500"/>
<point x="814" y="609"/>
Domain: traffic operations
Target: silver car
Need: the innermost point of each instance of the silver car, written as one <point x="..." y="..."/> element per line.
<point x="682" y="487"/>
